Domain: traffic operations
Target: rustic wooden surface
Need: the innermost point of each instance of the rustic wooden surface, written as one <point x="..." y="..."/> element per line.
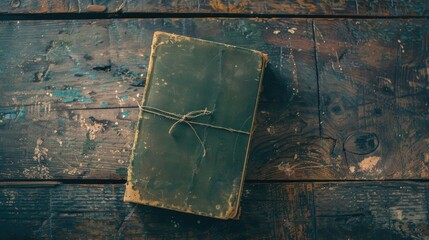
<point x="372" y="124"/>
<point x="345" y="98"/>
<point x="374" y="95"/>
<point x="305" y="8"/>
<point x="89" y="65"/>
<point x="379" y="210"/>
<point x="386" y="210"/>
<point x="98" y="211"/>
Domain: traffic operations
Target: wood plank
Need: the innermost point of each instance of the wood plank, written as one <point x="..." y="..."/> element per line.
<point x="372" y="210"/>
<point x="358" y="114"/>
<point x="304" y="8"/>
<point x="268" y="211"/>
<point x="58" y="6"/>
<point x="102" y="63"/>
<point x="374" y="95"/>
<point x="72" y="64"/>
<point x="44" y="144"/>
<point x="286" y="144"/>
<point x="355" y="210"/>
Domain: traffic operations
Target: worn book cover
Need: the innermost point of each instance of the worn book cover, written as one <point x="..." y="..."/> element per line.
<point x="196" y="121"/>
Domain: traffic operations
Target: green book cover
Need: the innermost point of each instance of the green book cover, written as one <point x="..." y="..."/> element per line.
<point x="195" y="125"/>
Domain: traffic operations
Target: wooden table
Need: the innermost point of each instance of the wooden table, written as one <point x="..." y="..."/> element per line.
<point x="341" y="148"/>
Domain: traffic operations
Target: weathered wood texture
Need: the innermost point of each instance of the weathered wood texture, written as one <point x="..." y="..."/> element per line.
<point x="68" y="92"/>
<point x="73" y="64"/>
<point x="374" y="78"/>
<point x="46" y="144"/>
<point x="373" y="93"/>
<point x="101" y="65"/>
<point x="269" y="211"/>
<point x="305" y="8"/>
<point x="376" y="210"/>
<point x="372" y="210"/>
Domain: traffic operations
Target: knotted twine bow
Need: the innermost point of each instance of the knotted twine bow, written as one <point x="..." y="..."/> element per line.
<point x="187" y="119"/>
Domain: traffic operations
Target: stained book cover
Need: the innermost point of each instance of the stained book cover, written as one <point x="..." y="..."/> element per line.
<point x="195" y="125"/>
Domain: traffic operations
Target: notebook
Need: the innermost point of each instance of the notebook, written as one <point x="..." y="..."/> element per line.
<point x="195" y="125"/>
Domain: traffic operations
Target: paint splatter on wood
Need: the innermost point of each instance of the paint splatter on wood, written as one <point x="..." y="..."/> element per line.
<point x="59" y="145"/>
<point x="41" y="170"/>
<point x="96" y="65"/>
<point x="368" y="164"/>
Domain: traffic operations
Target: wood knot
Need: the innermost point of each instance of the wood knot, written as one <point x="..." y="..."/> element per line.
<point x="361" y="143"/>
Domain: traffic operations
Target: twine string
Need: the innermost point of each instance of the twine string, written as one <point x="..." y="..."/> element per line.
<point x="190" y="115"/>
<point x="187" y="119"/>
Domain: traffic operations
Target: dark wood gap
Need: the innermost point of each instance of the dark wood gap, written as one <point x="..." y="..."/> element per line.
<point x="51" y="182"/>
<point x="59" y="181"/>
<point x="77" y="16"/>
<point x="316" y="59"/>
<point x="336" y="180"/>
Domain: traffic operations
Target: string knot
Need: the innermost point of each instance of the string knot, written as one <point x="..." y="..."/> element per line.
<point x="189" y="116"/>
<point x="187" y="119"/>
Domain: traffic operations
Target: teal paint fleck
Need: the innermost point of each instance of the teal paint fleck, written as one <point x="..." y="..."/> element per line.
<point x="104" y="104"/>
<point x="13" y="114"/>
<point x="92" y="76"/>
<point x="22" y="113"/>
<point x="71" y="96"/>
<point x="9" y="116"/>
<point x="123" y="97"/>
<point x="67" y="93"/>
<point x="85" y="100"/>
<point x="5" y="110"/>
<point x="73" y="69"/>
<point x="68" y="100"/>
<point x="125" y="114"/>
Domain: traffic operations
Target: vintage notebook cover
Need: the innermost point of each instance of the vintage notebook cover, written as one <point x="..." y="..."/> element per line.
<point x="195" y="164"/>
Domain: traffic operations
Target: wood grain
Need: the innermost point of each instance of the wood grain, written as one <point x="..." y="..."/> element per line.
<point x="72" y="64"/>
<point x="57" y="6"/>
<point x="374" y="95"/>
<point x="286" y="143"/>
<point x="375" y="210"/>
<point x="102" y="63"/>
<point x="95" y="65"/>
<point x="280" y="211"/>
<point x="358" y="210"/>
<point x="373" y="90"/>
<point x="68" y="92"/>
<point x="68" y="144"/>
<point x="304" y="8"/>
